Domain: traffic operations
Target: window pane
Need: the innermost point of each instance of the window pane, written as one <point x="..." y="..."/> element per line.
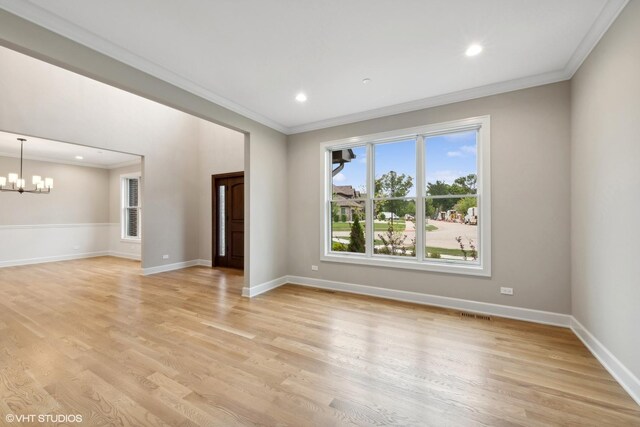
<point x="132" y="196"/>
<point x="222" y="218"/>
<point x="394" y="227"/>
<point x="451" y="163"/>
<point x="348" y="226"/>
<point x="349" y="171"/>
<point x="451" y="229"/>
<point x="131" y="222"/>
<point x="395" y="169"/>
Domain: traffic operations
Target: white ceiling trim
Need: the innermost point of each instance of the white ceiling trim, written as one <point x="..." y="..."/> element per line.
<point x="61" y="26"/>
<point x="608" y="14"/>
<point x="435" y="101"/>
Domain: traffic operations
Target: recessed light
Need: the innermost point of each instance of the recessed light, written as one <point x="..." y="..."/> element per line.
<point x="301" y="97"/>
<point x="366" y="81"/>
<point x="79" y="158"/>
<point x="473" y="50"/>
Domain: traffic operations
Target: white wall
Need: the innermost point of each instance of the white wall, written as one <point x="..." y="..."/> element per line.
<point x="605" y="182"/>
<point x="42" y="100"/>
<point x="80" y="196"/>
<point x="530" y="202"/>
<point x="79" y="218"/>
<point x="70" y="222"/>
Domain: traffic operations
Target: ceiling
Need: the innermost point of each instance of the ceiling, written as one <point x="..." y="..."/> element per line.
<point x="62" y="152"/>
<point x="254" y="56"/>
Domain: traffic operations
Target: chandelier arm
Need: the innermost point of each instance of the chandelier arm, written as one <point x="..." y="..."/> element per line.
<point x="21" y="156"/>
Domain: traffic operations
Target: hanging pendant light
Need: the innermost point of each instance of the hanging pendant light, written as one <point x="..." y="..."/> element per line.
<point x="16" y="182"/>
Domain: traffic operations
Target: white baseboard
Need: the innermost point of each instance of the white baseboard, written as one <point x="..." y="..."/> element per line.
<point x="621" y="373"/>
<point x="264" y="287"/>
<point x="537" y="316"/>
<point x="42" y="260"/>
<point x="124" y="255"/>
<point x="205" y="262"/>
<point x="169" y="267"/>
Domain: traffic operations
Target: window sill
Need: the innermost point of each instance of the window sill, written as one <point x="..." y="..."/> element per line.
<point x="123" y="240"/>
<point x="410" y="264"/>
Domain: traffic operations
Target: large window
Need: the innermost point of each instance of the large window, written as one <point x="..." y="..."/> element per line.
<point x="131" y="207"/>
<point x="417" y="198"/>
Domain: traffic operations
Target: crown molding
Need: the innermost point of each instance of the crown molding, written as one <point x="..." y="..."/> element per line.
<point x="65" y="28"/>
<point x="435" y="101"/>
<point x="607" y="16"/>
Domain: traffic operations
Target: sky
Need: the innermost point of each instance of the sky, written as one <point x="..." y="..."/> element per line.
<point x="447" y="157"/>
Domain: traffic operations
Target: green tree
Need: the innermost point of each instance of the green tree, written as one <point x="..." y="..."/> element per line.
<point x="462" y="185"/>
<point x="393" y="185"/>
<point x="356" y="238"/>
<point x="463" y="205"/>
<point x="467" y="184"/>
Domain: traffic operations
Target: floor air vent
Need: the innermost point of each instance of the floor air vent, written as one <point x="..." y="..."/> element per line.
<point x="474" y="315"/>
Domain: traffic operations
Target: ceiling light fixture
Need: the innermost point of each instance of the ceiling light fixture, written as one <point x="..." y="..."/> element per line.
<point x="366" y="81"/>
<point x="17" y="182"/>
<point x="473" y="50"/>
<point x="79" y="158"/>
<point x="301" y="97"/>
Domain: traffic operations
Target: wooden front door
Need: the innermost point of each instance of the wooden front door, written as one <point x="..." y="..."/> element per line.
<point x="228" y="220"/>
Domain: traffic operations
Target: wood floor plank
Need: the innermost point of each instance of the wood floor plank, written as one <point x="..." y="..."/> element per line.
<point x="184" y="348"/>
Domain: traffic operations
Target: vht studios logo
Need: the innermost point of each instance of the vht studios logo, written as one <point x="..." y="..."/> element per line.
<point x="43" y="418"/>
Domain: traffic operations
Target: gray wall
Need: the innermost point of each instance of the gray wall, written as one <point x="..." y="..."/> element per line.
<point x="220" y="150"/>
<point x="80" y="195"/>
<point x="45" y="101"/>
<point x="530" y="202"/>
<point x="605" y="182"/>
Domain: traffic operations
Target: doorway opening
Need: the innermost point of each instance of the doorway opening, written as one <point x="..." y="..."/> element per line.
<point x="227" y="196"/>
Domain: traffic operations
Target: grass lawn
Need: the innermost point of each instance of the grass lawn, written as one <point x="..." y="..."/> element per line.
<point x="447" y="251"/>
<point x="430" y="227"/>
<point x="398" y="225"/>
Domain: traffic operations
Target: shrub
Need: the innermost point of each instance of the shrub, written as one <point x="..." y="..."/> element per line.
<point x="356" y="243"/>
<point x="343" y="218"/>
<point x="338" y="247"/>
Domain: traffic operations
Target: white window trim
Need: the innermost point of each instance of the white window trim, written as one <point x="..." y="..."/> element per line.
<point x="123" y="191"/>
<point x="483" y="124"/>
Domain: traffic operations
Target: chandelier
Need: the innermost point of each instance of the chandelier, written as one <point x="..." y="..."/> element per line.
<point x="17" y="182"/>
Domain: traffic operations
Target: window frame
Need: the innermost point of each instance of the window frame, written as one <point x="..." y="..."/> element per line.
<point x="419" y="262"/>
<point x="124" y="205"/>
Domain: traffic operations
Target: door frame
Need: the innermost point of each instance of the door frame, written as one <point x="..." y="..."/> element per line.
<point x="214" y="211"/>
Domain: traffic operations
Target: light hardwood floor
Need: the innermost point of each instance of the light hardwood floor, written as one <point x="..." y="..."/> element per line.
<point x="93" y="337"/>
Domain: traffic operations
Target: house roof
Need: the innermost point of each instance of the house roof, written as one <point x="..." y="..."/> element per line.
<point x="347" y="191"/>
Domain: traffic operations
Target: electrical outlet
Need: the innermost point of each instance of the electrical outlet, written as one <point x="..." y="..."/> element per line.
<point x="506" y="291"/>
<point x="165" y="256"/>
<point x="314" y="268"/>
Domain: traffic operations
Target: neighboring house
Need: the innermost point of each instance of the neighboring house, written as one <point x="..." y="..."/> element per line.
<point x="348" y="199"/>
